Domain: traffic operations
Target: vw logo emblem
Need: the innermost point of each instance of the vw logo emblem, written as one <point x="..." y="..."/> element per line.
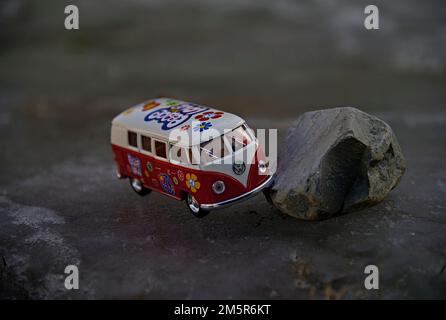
<point x="239" y="168"/>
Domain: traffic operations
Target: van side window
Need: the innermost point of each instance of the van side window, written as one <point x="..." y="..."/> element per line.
<point x="239" y="138"/>
<point x="146" y="143"/>
<point x="213" y="150"/>
<point x="132" y="139"/>
<point x="194" y="156"/>
<point x="178" y="154"/>
<point x="160" y="149"/>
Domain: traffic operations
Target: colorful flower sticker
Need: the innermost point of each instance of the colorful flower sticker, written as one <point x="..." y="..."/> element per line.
<point x="135" y="164"/>
<point x="180" y="175"/>
<point x="209" y="115"/>
<point x="175" y="180"/>
<point x="192" y="182"/>
<point x="173" y="103"/>
<point x="202" y="126"/>
<point x="150" y="105"/>
<point x="166" y="184"/>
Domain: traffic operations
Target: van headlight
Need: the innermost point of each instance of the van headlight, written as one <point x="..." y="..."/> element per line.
<point x="262" y="166"/>
<point x="218" y="187"/>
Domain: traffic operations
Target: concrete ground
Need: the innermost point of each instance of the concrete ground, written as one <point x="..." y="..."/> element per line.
<point x="60" y="203"/>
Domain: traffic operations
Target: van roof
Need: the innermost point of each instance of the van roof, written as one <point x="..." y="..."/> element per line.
<point x="159" y="117"/>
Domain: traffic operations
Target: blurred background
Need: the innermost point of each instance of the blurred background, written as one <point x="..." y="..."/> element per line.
<point x="248" y="55"/>
<point x="260" y="59"/>
<point x="267" y="61"/>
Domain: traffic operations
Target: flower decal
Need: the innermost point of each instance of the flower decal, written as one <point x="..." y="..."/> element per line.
<point x="180" y="175"/>
<point x="173" y="103"/>
<point x="209" y="115"/>
<point x="135" y="164"/>
<point x="185" y="127"/>
<point x="202" y="126"/>
<point x="150" y="105"/>
<point x="192" y="182"/>
<point x="166" y="183"/>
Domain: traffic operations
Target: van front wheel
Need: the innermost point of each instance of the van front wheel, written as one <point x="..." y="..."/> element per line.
<point x="194" y="207"/>
<point x="138" y="187"/>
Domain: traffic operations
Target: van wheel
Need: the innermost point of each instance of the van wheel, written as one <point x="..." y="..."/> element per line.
<point x="194" y="207"/>
<point x="137" y="186"/>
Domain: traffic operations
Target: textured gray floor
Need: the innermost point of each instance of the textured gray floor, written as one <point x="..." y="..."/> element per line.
<point x="60" y="203"/>
<point x="68" y="209"/>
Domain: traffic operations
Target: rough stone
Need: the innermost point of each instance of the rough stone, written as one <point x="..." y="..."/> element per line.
<point x="335" y="161"/>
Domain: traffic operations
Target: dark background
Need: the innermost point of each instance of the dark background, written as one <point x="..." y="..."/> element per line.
<point x="267" y="61"/>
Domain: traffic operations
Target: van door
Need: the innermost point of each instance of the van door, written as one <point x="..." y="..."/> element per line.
<point x="162" y="168"/>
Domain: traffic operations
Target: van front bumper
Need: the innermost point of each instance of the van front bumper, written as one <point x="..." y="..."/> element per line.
<point x="267" y="183"/>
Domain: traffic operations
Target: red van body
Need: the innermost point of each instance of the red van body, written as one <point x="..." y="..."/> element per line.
<point x="141" y="150"/>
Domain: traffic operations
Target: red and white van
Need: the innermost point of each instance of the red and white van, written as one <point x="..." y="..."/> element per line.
<point x="207" y="172"/>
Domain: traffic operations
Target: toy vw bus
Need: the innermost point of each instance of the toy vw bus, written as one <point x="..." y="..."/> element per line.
<point x="205" y="171"/>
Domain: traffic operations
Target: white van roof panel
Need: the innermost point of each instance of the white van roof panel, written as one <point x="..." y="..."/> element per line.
<point x="158" y="117"/>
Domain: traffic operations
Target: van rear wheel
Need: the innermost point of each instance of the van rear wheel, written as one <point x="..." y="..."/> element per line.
<point x="138" y="187"/>
<point x="194" y="207"/>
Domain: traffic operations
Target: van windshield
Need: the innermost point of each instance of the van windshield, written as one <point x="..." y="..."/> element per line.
<point x="238" y="138"/>
<point x="213" y="150"/>
<point x="219" y="147"/>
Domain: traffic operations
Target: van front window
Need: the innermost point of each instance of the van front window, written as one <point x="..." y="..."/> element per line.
<point x="217" y="148"/>
<point x="238" y="138"/>
<point x="213" y="150"/>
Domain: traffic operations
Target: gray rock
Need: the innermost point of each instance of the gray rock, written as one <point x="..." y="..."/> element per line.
<point x="336" y="160"/>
